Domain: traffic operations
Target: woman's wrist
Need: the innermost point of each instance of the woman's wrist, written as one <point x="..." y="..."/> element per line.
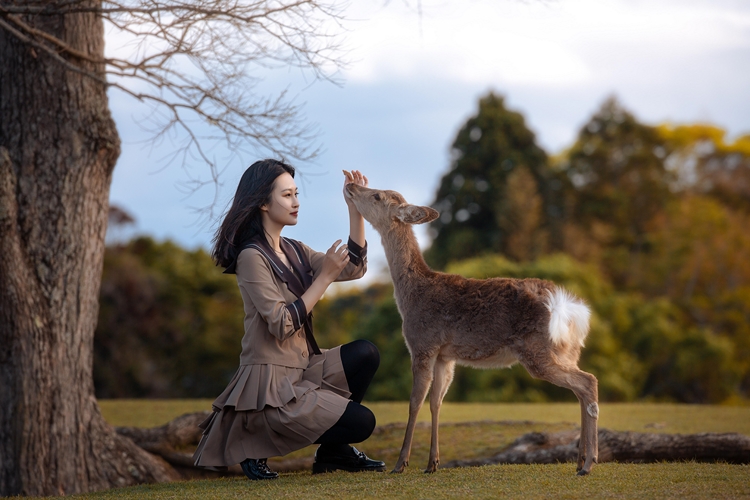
<point x="352" y="209"/>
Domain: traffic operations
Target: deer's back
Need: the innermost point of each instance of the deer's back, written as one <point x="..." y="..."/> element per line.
<point x="477" y="317"/>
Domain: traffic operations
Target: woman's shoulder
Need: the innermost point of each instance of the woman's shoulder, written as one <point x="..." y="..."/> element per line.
<point x="252" y="255"/>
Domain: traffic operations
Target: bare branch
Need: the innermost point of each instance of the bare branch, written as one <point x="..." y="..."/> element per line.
<point x="197" y="62"/>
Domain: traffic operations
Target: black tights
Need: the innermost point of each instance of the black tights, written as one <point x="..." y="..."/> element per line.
<point x="360" y="360"/>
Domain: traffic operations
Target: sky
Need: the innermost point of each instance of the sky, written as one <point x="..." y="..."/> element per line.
<point x="415" y="74"/>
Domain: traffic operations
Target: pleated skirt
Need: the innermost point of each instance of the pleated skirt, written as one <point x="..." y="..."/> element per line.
<point x="271" y="410"/>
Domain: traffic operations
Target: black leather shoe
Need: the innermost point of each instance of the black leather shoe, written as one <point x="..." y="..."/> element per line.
<point x="352" y="460"/>
<point x="257" y="469"/>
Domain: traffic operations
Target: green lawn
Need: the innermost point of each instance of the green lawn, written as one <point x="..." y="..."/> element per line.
<point x="643" y="417"/>
<point x="476" y="430"/>
<point x="683" y="481"/>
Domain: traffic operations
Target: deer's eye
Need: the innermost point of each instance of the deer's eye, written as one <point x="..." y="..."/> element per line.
<point x="376" y="196"/>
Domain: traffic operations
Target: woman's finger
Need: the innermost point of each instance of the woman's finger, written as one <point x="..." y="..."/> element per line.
<point x="361" y="179"/>
<point x="335" y="245"/>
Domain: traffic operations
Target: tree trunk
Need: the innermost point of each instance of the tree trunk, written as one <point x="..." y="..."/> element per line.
<point x="58" y="147"/>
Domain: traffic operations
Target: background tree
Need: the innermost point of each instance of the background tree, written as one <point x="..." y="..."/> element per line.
<point x="520" y="216"/>
<point x="705" y="163"/>
<point x="478" y="210"/>
<point x="194" y="62"/>
<point x="170" y="324"/>
<point x="620" y="184"/>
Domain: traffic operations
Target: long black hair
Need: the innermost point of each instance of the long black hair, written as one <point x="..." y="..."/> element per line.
<point x="243" y="219"/>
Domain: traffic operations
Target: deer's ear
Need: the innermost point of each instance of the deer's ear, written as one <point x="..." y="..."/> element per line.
<point x="412" y="214"/>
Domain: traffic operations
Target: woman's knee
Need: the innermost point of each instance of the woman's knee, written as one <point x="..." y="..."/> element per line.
<point x="361" y="353"/>
<point x="367" y="423"/>
<point x="354" y="426"/>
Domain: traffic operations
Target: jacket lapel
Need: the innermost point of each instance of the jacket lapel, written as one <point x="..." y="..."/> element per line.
<point x="284" y="273"/>
<point x="299" y="263"/>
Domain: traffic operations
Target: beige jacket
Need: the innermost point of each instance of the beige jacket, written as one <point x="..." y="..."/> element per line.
<point x="274" y="316"/>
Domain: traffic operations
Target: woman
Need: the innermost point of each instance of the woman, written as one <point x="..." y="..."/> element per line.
<point x="287" y="393"/>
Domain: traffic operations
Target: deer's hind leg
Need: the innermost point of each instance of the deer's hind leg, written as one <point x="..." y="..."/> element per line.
<point x="422" y="372"/>
<point x="585" y="387"/>
<point x="443" y="376"/>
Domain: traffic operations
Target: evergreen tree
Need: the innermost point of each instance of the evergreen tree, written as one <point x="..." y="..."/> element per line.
<point x="478" y="212"/>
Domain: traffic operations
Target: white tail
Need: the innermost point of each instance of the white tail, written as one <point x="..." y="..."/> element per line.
<point x="569" y="318"/>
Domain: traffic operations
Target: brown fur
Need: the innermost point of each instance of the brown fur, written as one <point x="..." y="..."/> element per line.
<point x="449" y="319"/>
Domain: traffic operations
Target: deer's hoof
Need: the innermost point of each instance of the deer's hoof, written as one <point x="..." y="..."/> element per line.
<point x="585" y="469"/>
<point x="398" y="469"/>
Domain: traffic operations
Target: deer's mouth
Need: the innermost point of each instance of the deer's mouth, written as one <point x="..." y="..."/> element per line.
<point x="350" y="190"/>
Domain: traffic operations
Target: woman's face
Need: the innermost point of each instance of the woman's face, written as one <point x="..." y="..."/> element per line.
<point x="284" y="205"/>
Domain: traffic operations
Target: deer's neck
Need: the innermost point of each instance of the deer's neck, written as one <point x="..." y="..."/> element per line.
<point x="405" y="260"/>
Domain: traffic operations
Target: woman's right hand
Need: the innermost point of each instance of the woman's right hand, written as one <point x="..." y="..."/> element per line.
<point x="337" y="257"/>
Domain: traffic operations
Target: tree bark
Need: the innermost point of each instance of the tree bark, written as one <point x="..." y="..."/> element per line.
<point x="549" y="448"/>
<point x="58" y="147"/>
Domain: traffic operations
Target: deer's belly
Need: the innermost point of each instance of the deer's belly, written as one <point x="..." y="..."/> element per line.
<point x="478" y="359"/>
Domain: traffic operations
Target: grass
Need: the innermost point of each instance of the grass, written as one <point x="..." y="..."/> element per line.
<point x="472" y="430"/>
<point x="620" y="481"/>
<point x="643" y="417"/>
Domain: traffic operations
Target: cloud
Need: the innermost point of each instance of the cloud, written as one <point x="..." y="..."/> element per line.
<point x="552" y="44"/>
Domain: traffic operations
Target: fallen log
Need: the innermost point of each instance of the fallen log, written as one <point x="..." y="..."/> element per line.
<point x="170" y="438"/>
<point x="175" y="442"/>
<point x="632" y="447"/>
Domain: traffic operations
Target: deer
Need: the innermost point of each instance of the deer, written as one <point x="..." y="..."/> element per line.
<point x="480" y="323"/>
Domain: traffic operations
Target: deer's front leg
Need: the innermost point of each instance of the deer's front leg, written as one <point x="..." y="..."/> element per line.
<point x="421" y="368"/>
<point x="443" y="376"/>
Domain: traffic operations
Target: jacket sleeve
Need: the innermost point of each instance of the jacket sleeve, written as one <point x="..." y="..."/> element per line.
<point x="355" y="269"/>
<point x="256" y="278"/>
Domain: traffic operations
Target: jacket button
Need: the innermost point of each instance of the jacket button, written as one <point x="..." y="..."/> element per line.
<point x="304" y="354"/>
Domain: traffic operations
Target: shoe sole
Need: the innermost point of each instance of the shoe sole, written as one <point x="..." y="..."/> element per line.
<point x="322" y="467"/>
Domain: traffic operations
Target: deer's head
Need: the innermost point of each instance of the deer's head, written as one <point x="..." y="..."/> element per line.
<point x="386" y="209"/>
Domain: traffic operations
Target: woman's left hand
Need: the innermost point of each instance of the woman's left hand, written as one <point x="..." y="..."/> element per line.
<point x="353" y="177"/>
